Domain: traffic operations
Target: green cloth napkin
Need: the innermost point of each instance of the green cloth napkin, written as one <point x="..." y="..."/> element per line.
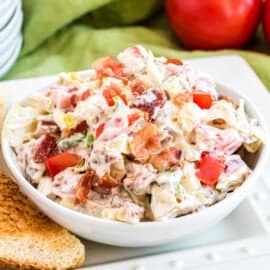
<point x="66" y="35"/>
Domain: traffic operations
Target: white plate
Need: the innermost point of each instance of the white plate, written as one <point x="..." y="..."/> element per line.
<point x="10" y="33"/>
<point x="11" y="61"/>
<point x="7" y="8"/>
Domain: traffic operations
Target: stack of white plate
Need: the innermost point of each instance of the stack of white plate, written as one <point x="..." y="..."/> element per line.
<point x="11" y="18"/>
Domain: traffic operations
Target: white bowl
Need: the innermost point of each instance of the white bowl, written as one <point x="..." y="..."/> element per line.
<point x="7" y="55"/>
<point x="7" y="8"/>
<point x="14" y="55"/>
<point x="144" y="233"/>
<point x="10" y="33"/>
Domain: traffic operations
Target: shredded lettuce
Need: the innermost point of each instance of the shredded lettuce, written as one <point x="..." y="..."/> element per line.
<point x="20" y="124"/>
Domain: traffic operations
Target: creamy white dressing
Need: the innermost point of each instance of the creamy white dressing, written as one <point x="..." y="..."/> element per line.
<point x="221" y="142"/>
<point x="134" y="58"/>
<point x="190" y="116"/>
<point x="235" y="173"/>
<point x="221" y="110"/>
<point x="164" y="204"/>
<point x="92" y="110"/>
<point x="65" y="183"/>
<point x="31" y="169"/>
<point x="139" y="178"/>
<point x="114" y="127"/>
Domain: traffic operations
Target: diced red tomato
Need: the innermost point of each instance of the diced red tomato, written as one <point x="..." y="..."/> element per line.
<point x="145" y="142"/>
<point x="60" y="162"/>
<point x="203" y="100"/>
<point x="100" y="129"/>
<point x="107" y="66"/>
<point x="209" y="169"/>
<point x="137" y="87"/>
<point x="133" y="117"/>
<point x="111" y="92"/>
<point x="174" y="61"/>
<point x="108" y="96"/>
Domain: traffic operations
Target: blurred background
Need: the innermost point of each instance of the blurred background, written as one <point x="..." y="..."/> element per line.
<point x="40" y="37"/>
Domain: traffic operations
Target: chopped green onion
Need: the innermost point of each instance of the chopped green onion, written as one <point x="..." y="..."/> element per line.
<point x="66" y="143"/>
<point x="178" y="189"/>
<point x="89" y="139"/>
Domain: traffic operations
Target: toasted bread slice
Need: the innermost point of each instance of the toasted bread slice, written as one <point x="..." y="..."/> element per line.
<point x="30" y="240"/>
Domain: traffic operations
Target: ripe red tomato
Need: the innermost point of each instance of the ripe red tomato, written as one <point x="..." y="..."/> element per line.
<point x="132" y="118"/>
<point x="100" y="129"/>
<point x="266" y="21"/>
<point x="60" y="162"/>
<point x="209" y="169"/>
<point x="203" y="100"/>
<point x="214" y="24"/>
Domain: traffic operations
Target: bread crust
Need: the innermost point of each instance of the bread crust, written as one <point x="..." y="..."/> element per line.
<point x="29" y="239"/>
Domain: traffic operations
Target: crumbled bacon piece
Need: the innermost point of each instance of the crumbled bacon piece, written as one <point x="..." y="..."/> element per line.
<point x="90" y="180"/>
<point x="46" y="120"/>
<point x="125" y="80"/>
<point x="45" y="148"/>
<point x="181" y="99"/>
<point x="191" y="138"/>
<point x="137" y="87"/>
<point x="81" y="127"/>
<point x="150" y="102"/>
<point x="84" y="186"/>
<point x="145" y="142"/>
<point x="72" y="89"/>
<point x="113" y="91"/>
<point x="75" y="98"/>
<point x="108" y="182"/>
<point x="166" y="159"/>
<point x="103" y="185"/>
